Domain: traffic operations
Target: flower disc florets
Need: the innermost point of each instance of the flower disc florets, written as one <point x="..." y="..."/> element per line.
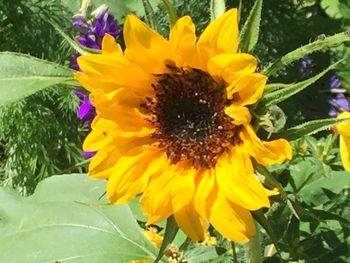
<point x="188" y="112"/>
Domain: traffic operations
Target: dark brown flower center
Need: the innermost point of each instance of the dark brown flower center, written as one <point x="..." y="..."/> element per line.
<point x="188" y="113"/>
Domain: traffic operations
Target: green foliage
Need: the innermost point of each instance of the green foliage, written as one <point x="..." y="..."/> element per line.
<point x="284" y="92"/>
<point x="250" y="32"/>
<point x="301" y="52"/>
<point x="171" y="230"/>
<point x="307" y="128"/>
<point x="217" y="8"/>
<point x="22" y="75"/>
<point x="41" y="135"/>
<point x="65" y="220"/>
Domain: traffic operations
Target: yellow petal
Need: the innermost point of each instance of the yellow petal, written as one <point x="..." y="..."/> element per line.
<point x="183" y="40"/>
<point x="132" y="172"/>
<point x="103" y="162"/>
<point x="107" y="156"/>
<point x="248" y="90"/>
<point x="146" y="47"/>
<point x="168" y="192"/>
<point x="231" y="220"/>
<point x="98" y="138"/>
<point x="231" y="67"/>
<point x="220" y="36"/>
<point x="239" y="115"/>
<point x="183" y="35"/>
<point x="191" y="222"/>
<point x="205" y="186"/>
<point x="112" y="71"/>
<point x="343" y="128"/>
<point x="110" y="46"/>
<point x="235" y="176"/>
<point x="266" y="153"/>
<point x="344" y="147"/>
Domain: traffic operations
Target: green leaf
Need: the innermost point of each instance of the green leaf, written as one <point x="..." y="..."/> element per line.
<point x="171" y="230"/>
<point x="278" y="95"/>
<point x="202" y="254"/>
<point x="217" y="8"/>
<point x="250" y="32"/>
<point x="320" y="44"/>
<point x="307" y="128"/>
<point x="64" y="221"/>
<point x="22" y="75"/>
<point x="262" y="220"/>
<point x="331" y="8"/>
<point x="313" y="192"/>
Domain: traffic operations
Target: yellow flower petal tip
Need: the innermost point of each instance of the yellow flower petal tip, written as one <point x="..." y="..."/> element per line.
<point x="173" y="126"/>
<point x="343" y="129"/>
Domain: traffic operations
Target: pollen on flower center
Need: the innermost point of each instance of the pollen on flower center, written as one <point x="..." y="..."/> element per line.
<point x="188" y="113"/>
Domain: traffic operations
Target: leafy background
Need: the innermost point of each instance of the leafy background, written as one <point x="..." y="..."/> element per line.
<point x="41" y="136"/>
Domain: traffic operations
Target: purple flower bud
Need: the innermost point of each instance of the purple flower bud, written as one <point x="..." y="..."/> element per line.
<point x="306" y="66"/>
<point x="334" y="82"/>
<point x="74" y="64"/>
<point x="88" y="154"/>
<point x="338" y="104"/>
<point x="86" y="111"/>
<point x="81" y="25"/>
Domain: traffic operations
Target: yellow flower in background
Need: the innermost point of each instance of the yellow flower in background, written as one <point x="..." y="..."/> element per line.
<point x="343" y="129"/>
<point x="154" y="237"/>
<point x="173" y="125"/>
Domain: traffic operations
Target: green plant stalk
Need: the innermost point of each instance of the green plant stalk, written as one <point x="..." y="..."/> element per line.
<point x="328" y="147"/>
<point x="253" y="251"/>
<point x="299" y="53"/>
<point x="171" y="12"/>
<point x="234" y="254"/>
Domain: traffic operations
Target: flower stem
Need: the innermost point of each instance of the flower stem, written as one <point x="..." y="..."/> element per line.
<point x="234" y="254"/>
<point x="253" y="251"/>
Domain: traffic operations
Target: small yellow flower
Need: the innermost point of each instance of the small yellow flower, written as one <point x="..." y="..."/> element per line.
<point x="155" y="238"/>
<point x="173" y="125"/>
<point x="343" y="129"/>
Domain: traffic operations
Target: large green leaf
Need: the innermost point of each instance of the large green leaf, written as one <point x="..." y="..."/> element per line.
<point x="313" y="192"/>
<point x="22" y="75"/>
<point x="65" y="221"/>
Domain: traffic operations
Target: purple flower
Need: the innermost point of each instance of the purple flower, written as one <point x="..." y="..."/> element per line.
<point x="74" y="64"/>
<point x="88" y="154"/>
<point x="81" y="25"/>
<point x="91" y="34"/>
<point x="306" y="66"/>
<point x="338" y="101"/>
<point x="86" y="111"/>
<point x="338" y="104"/>
<point x="334" y="82"/>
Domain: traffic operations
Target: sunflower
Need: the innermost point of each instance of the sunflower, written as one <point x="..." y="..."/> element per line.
<point x="173" y="125"/>
<point x="343" y="129"/>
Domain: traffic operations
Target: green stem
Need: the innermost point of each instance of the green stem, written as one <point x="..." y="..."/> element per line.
<point x="171" y="12"/>
<point x="253" y="252"/>
<point x="234" y="254"/>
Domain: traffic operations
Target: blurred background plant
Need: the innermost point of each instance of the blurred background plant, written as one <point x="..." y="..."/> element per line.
<point x="40" y="135"/>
